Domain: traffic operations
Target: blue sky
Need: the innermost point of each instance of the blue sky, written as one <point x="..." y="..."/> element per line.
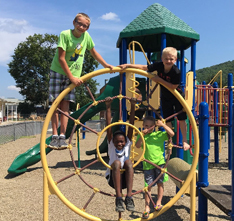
<point x="213" y="20"/>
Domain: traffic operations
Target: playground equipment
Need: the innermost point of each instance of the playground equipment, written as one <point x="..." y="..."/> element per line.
<point x="155" y="38"/>
<point x="220" y="195"/>
<point x="32" y="156"/>
<point x="50" y="186"/>
<point x="180" y="169"/>
<point x="219" y="102"/>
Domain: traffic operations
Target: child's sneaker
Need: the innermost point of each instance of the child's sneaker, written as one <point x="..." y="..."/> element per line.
<point x="129" y="204"/>
<point x="62" y="142"/>
<point x="54" y="143"/>
<point x="119" y="205"/>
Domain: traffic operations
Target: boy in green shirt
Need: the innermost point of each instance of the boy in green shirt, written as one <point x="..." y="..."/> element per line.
<point x="154" y="150"/>
<point x="66" y="68"/>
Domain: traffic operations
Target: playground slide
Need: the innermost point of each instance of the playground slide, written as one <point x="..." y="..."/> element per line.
<point x="32" y="156"/>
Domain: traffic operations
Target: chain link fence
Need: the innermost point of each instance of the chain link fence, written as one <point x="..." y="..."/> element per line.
<point x="15" y="131"/>
<point x="97" y="125"/>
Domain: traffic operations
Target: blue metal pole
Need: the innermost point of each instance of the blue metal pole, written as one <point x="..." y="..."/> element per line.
<point x="232" y="188"/>
<point x="182" y="70"/>
<point x="178" y="63"/>
<point x="204" y="98"/>
<point x="163" y="41"/>
<point x="193" y="69"/>
<point x="83" y="133"/>
<point x="149" y="55"/>
<point x="216" y="128"/>
<point x="163" y="45"/>
<point x="180" y="152"/>
<point x="123" y="60"/>
<point x="230" y="129"/>
<point x="203" y="160"/>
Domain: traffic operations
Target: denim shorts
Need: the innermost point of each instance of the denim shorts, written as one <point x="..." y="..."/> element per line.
<point x="57" y="84"/>
<point x="151" y="175"/>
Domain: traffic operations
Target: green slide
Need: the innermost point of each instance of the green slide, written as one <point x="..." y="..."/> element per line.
<point x="32" y="156"/>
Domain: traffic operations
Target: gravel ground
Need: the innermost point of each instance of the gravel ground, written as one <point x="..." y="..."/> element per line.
<point x="22" y="195"/>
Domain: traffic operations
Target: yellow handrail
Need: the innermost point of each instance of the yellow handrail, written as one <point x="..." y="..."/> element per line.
<point x="133" y="51"/>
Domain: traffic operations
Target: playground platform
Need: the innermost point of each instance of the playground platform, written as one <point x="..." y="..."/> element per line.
<point x="220" y="195"/>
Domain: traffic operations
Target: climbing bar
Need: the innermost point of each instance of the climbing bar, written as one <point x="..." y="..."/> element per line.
<point x="72" y="133"/>
<point x="174" y="115"/>
<point x="120" y="216"/>
<point x="90" y="129"/>
<point x="91" y="187"/>
<point x="89" y="200"/>
<point x="165" y="166"/>
<point x="88" y="165"/>
<point x="155" y="111"/>
<point x="89" y="91"/>
<point x="91" y="105"/>
<point x="72" y="158"/>
<point x="65" y="178"/>
<point x="152" y="91"/>
<point x="129" y="98"/>
<point x="177" y="146"/>
<point x="68" y="116"/>
<point x="150" y="197"/>
<point x="168" y="158"/>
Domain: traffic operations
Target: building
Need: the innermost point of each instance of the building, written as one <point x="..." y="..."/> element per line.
<point x="8" y="109"/>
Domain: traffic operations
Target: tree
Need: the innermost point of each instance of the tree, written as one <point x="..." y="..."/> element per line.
<point x="26" y="109"/>
<point x="31" y="64"/>
<point x="208" y="73"/>
<point x="30" y="68"/>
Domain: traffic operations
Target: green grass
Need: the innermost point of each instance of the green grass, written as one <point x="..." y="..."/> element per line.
<point x="96" y="117"/>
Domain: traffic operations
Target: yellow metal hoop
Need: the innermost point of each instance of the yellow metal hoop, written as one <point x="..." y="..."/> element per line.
<point x="48" y="180"/>
<point x="114" y="124"/>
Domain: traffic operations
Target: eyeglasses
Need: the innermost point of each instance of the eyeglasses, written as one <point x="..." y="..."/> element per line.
<point x="81" y="25"/>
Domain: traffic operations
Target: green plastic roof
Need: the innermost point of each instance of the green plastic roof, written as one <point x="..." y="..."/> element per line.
<point x="151" y="23"/>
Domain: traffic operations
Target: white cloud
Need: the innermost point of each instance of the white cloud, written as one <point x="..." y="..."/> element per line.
<point x="13" y="88"/>
<point x="110" y="17"/>
<point x="108" y="27"/>
<point x="12" y="32"/>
